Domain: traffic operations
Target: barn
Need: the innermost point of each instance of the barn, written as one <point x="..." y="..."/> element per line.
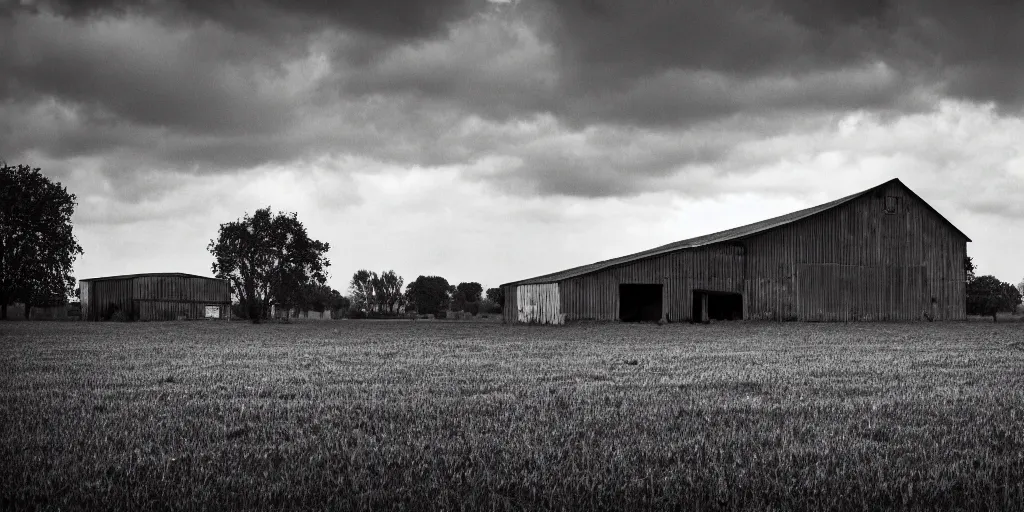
<point x="161" y="296"/>
<point x="882" y="254"/>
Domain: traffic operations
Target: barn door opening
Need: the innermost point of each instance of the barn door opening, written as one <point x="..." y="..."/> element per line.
<point x="711" y="305"/>
<point x="640" y="302"/>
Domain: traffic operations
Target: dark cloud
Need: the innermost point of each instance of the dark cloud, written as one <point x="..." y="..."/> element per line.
<point x="629" y="94"/>
<point x="388" y="19"/>
<point x="611" y="49"/>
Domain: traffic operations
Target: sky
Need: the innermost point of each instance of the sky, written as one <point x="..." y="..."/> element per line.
<point x="495" y="141"/>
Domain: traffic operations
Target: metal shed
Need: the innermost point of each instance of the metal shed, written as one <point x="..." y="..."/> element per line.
<point x="159" y="296"/>
<point x="879" y="254"/>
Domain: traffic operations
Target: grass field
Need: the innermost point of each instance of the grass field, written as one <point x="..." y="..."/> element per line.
<point x="445" y="415"/>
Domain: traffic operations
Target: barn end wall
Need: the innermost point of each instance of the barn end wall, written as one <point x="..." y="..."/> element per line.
<point x="858" y="263"/>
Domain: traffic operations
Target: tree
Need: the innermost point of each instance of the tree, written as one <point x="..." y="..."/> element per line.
<point x="1014" y="296"/>
<point x="473" y="291"/>
<point x="497" y="295"/>
<point x="316" y="297"/>
<point x="37" y="243"/>
<point x="969" y="269"/>
<point x="494" y="301"/>
<point x="268" y="259"/>
<point x="338" y="303"/>
<point x="361" y="287"/>
<point x="429" y="294"/>
<point x="388" y="291"/>
<point x="987" y="295"/>
<point x="465" y="294"/>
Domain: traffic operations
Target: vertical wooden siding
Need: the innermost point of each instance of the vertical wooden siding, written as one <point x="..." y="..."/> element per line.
<point x="538" y="303"/>
<point x="596" y="296"/>
<point x="83" y="299"/>
<point x="155" y="297"/>
<point x="172" y="297"/>
<point x="856" y="262"/>
<point x="106" y="295"/>
<point x="851" y="263"/>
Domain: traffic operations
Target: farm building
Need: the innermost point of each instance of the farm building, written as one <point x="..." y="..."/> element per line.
<point x="880" y="254"/>
<point x="163" y="296"/>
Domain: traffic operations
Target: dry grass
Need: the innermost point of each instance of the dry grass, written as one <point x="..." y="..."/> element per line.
<point x="448" y="415"/>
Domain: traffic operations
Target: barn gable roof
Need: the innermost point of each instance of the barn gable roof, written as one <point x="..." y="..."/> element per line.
<point x="151" y="274"/>
<point x="724" y="236"/>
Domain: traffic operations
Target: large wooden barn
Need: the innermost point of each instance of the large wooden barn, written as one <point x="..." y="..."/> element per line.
<point x="162" y="296"/>
<point x="880" y="254"/>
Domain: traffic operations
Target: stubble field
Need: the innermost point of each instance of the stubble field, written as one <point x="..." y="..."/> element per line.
<point x="441" y="415"/>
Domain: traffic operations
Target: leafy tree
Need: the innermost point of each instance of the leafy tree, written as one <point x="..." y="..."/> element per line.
<point x="37" y="243"/>
<point x="497" y="295"/>
<point x="429" y="294"/>
<point x="388" y="291"/>
<point x="473" y="291"/>
<point x="316" y="297"/>
<point x="321" y="298"/>
<point x="466" y="294"/>
<point x="362" y="287"/>
<point x="458" y="302"/>
<point x="987" y="295"/>
<point x="268" y="259"/>
<point x="969" y="269"/>
<point x="339" y="302"/>
<point x="1013" y="295"/>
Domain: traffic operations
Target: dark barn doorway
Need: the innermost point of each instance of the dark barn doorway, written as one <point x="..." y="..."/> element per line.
<point x="710" y="305"/>
<point x="640" y="302"/>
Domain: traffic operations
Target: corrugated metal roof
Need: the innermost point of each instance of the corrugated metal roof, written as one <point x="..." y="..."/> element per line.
<point x="152" y="274"/>
<point x="721" y="236"/>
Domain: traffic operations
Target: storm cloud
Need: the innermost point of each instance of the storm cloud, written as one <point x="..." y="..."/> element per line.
<point x="584" y="100"/>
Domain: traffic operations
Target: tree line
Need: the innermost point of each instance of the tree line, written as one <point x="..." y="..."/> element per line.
<point x="270" y="260"/>
<point x="988" y="296"/>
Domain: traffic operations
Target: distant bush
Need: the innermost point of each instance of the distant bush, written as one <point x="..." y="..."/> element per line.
<point x="441" y="314"/>
<point x="473" y="308"/>
<point x="356" y="314"/>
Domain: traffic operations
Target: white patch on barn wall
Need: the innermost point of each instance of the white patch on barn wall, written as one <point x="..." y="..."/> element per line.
<point x="84" y="299"/>
<point x="539" y="303"/>
<point x="212" y="311"/>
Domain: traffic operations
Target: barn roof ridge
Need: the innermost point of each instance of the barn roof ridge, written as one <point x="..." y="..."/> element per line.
<point x="723" y="236"/>
<point x="146" y="274"/>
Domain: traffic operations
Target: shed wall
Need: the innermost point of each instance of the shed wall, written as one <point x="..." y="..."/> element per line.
<point x="596" y="296"/>
<point x="105" y="296"/>
<point x="155" y="297"/>
<point x="172" y="297"/>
